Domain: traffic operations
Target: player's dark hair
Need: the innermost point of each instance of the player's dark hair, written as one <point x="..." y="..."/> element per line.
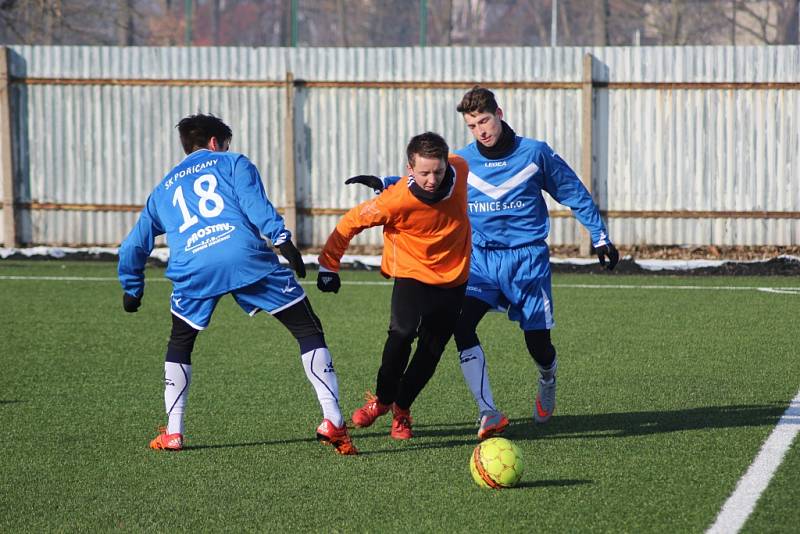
<point x="428" y="145"/>
<point x="197" y="130"/>
<point x="478" y="100"/>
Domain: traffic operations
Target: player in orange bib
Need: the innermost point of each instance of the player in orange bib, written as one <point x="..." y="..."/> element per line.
<point x="427" y="244"/>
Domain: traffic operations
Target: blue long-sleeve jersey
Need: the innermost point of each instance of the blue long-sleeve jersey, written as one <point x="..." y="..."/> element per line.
<point x="213" y="208"/>
<point x="505" y="203"/>
<point x="506" y="206"/>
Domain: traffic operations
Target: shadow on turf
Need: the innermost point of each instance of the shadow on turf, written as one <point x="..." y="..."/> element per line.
<point x="249" y="444"/>
<point x="626" y="424"/>
<point x="552" y="483"/>
<point x="610" y="425"/>
<point x="402" y="446"/>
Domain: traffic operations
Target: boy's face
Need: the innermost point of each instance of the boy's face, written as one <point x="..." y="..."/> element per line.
<point x="485" y="127"/>
<point x="427" y="172"/>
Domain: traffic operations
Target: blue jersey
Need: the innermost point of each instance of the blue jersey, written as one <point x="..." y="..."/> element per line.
<point x="213" y="208"/>
<point x="506" y="206"/>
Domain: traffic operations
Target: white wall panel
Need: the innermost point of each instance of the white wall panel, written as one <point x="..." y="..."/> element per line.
<point x="86" y="138"/>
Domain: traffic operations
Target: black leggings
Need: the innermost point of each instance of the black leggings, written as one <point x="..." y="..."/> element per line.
<point x="538" y="342"/>
<point x="423" y="310"/>
<point x="299" y="319"/>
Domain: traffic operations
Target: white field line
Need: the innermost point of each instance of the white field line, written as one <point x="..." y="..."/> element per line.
<point x="742" y="502"/>
<point x="787" y="290"/>
<point x="779" y="290"/>
<point x="71" y="278"/>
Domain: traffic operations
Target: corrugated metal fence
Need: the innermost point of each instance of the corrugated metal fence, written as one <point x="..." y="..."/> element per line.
<point x="686" y="145"/>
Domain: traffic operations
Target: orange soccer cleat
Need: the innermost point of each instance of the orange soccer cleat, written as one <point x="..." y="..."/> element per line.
<point x="167" y="442"/>
<point x="337" y="436"/>
<point x="401" y="423"/>
<point x="372" y="409"/>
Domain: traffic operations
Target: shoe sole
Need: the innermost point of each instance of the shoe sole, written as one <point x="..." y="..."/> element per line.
<point x="351" y="451"/>
<point x="325" y="440"/>
<point x="489" y="432"/>
<point x="162" y="448"/>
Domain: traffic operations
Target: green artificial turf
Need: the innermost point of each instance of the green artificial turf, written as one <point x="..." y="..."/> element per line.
<point x="664" y="399"/>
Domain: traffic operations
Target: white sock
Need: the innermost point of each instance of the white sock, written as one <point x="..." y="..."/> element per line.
<point x="177" y="377"/>
<point x="473" y="366"/>
<point x="549" y="374"/>
<point x="319" y="370"/>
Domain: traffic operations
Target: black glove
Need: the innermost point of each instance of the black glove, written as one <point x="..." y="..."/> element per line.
<point x="607" y="250"/>
<point x="130" y="303"/>
<point x="292" y="255"/>
<point x="328" y="282"/>
<point x="367" y="179"/>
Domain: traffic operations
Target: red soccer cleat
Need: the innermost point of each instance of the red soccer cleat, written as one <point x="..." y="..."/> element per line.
<point x="167" y="442"/>
<point x="336" y="436"/>
<point x="401" y="424"/>
<point x="372" y="409"/>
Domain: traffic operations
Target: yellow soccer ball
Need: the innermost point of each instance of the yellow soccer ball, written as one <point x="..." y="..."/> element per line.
<point x="496" y="463"/>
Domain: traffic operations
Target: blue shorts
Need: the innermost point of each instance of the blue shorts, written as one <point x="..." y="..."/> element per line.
<point x="516" y="280"/>
<point x="273" y="293"/>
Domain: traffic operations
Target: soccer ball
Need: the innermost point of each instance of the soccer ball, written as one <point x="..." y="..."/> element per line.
<point x="496" y="463"/>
